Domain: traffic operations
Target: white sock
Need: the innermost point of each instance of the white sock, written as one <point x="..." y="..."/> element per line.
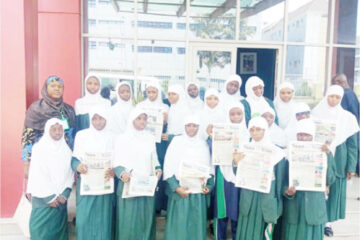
<point x="328" y="225"/>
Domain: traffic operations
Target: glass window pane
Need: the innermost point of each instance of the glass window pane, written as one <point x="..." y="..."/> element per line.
<point x="306" y="69"/>
<point x="212" y="19"/>
<point x="262" y="20"/>
<point x="347" y="61"/>
<point x="213" y="67"/>
<point x="347" y="22"/>
<point x="110" y="59"/>
<point x="162" y="19"/>
<point x="109" y="55"/>
<point x="162" y="59"/>
<point x="109" y="17"/>
<point x="308" y="20"/>
<point x="357" y="73"/>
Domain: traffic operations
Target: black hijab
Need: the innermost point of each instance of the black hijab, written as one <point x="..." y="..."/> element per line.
<point x="43" y="109"/>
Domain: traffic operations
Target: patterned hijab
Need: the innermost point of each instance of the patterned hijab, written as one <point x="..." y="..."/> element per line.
<point x="43" y="109"/>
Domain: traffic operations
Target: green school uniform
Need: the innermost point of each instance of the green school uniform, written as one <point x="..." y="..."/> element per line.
<point x="94" y="214"/>
<point x="186" y="217"/>
<point x="82" y="122"/>
<point x="48" y="223"/>
<point x="345" y="161"/>
<point x="160" y="196"/>
<point x="305" y="212"/>
<point x="135" y="217"/>
<point x="257" y="209"/>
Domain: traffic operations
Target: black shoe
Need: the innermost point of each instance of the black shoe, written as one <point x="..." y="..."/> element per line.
<point x="328" y="231"/>
<point x="211" y="228"/>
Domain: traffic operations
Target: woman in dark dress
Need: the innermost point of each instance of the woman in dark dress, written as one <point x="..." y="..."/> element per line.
<point x="51" y="105"/>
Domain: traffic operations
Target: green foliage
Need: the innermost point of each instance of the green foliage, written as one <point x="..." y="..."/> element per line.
<point x="218" y="28"/>
<point x="215" y="28"/>
<point x="245" y="30"/>
<point x="304" y="90"/>
<point x="165" y="85"/>
<point x="139" y="96"/>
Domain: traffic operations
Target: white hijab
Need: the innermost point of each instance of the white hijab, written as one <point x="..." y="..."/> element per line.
<point x="227" y="171"/>
<point x="158" y="103"/>
<point x="256" y="103"/>
<point x="210" y="115"/>
<point x="120" y="110"/>
<point x="346" y="123"/>
<point x="226" y="98"/>
<point x="194" y="104"/>
<point x="86" y="103"/>
<point x="92" y="140"/>
<point x="284" y="109"/>
<point x="50" y="168"/>
<point x="290" y="130"/>
<point x="306" y="126"/>
<point x="261" y="123"/>
<point x="244" y="131"/>
<point x="183" y="148"/>
<point x="278" y="153"/>
<point x="135" y="149"/>
<point x="277" y="135"/>
<point x="177" y="111"/>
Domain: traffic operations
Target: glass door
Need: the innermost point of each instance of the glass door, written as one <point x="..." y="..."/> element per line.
<point x="210" y="66"/>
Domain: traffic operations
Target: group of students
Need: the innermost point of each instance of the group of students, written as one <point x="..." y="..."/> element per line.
<point x="56" y="139"/>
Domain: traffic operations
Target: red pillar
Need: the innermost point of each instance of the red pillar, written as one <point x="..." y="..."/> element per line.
<point x="12" y="65"/>
<point x="31" y="51"/>
<point x="60" y="44"/>
<point x="38" y="38"/>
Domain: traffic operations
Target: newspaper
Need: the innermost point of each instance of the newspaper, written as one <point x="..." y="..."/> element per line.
<point x="94" y="181"/>
<point x="307" y="166"/>
<point x="256" y="170"/>
<point x="140" y="186"/>
<point x="155" y="121"/>
<point x="225" y="142"/>
<point x="193" y="176"/>
<point x="325" y="131"/>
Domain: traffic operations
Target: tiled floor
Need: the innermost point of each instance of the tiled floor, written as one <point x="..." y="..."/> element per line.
<point x="347" y="229"/>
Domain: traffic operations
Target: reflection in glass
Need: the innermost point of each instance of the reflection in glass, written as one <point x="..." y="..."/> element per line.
<point x="162" y="59"/>
<point x="347" y="61"/>
<point x="104" y="55"/>
<point x="109" y="17"/>
<point x="262" y="20"/>
<point x="162" y="19"/>
<point x="212" y="19"/>
<point x="111" y="60"/>
<point x="307" y="20"/>
<point x="213" y="67"/>
<point x="305" y="68"/>
<point x="357" y="73"/>
<point x="347" y="22"/>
